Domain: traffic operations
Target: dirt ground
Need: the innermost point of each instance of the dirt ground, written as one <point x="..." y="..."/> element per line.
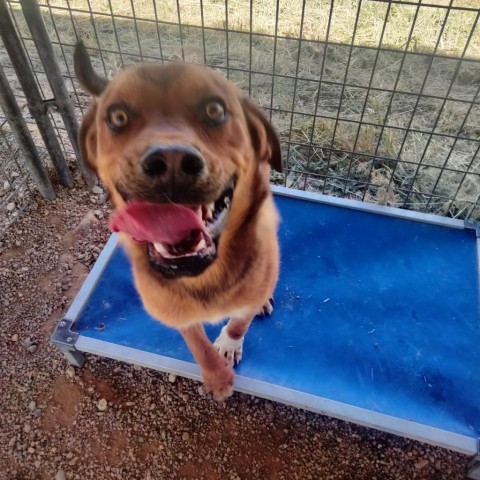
<point x="111" y="420"/>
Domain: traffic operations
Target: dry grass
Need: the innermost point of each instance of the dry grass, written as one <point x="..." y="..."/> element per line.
<point x="369" y="121"/>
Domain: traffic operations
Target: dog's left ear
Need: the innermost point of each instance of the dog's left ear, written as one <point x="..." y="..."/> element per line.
<point x="264" y="139"/>
<point x="88" y="78"/>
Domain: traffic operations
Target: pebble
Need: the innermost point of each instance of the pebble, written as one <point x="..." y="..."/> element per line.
<point x="172" y="378"/>
<point x="36" y="413"/>
<point x="97" y="190"/>
<point x="15" y="337"/>
<point x="186" y="436"/>
<point x="32" y="348"/>
<point x="37" y="463"/>
<point x="32" y="405"/>
<point x="10" y="207"/>
<point x="421" y="464"/>
<point x="27" y="428"/>
<point x="60" y="475"/>
<point x="70" y="371"/>
<point x="6" y="185"/>
<point x="102" y="404"/>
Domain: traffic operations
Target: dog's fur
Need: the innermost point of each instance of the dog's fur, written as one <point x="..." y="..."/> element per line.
<point x="240" y="281"/>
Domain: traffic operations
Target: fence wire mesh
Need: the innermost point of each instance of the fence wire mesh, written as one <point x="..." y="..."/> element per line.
<point x="374" y="100"/>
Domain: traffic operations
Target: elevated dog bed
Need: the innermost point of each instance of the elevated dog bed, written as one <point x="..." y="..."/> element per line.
<point x="376" y="321"/>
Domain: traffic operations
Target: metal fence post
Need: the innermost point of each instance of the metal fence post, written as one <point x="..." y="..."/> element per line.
<point x="36" y="105"/>
<point x="34" y="19"/>
<point x="22" y="135"/>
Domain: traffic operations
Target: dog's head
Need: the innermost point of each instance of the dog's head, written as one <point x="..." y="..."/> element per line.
<point x="177" y="146"/>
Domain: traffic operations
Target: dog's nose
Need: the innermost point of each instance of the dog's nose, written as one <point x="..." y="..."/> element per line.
<point x="172" y="159"/>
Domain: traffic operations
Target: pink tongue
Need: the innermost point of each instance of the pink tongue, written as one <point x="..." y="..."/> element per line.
<point x="156" y="223"/>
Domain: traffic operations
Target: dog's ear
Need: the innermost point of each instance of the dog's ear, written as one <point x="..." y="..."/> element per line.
<point x="264" y="139"/>
<point x="89" y="80"/>
<point x="87" y="138"/>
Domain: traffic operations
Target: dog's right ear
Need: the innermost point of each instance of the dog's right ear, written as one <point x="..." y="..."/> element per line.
<point x="87" y="138"/>
<point x="89" y="80"/>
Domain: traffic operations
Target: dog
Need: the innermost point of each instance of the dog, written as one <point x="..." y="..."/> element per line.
<point x="186" y="160"/>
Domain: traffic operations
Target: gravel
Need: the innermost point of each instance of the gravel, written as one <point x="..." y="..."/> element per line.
<point x="109" y="420"/>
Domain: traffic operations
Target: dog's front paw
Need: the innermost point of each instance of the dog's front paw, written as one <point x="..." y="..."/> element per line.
<point x="219" y="383"/>
<point x="228" y="348"/>
<point x="267" y="308"/>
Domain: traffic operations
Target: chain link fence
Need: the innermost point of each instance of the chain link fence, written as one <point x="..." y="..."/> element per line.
<point x="374" y="100"/>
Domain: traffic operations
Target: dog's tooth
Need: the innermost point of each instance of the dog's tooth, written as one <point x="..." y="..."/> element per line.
<point x="160" y="249"/>
<point x="207" y="211"/>
<point x="200" y="245"/>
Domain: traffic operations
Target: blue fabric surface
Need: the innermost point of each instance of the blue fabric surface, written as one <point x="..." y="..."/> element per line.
<point x="373" y="311"/>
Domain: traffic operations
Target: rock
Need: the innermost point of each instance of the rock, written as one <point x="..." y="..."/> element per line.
<point x="70" y="371"/>
<point x="27" y="428"/>
<point x="32" y="405"/>
<point x="32" y="348"/>
<point x="421" y="464"/>
<point x="97" y="190"/>
<point x="172" y="378"/>
<point x="186" y="436"/>
<point x="6" y="186"/>
<point x="86" y="222"/>
<point x="15" y="337"/>
<point x="36" y="413"/>
<point x="10" y="207"/>
<point x="102" y="404"/>
<point x="14" y="174"/>
<point x="60" y="475"/>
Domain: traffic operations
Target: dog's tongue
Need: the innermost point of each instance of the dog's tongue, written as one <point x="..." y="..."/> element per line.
<point x="154" y="222"/>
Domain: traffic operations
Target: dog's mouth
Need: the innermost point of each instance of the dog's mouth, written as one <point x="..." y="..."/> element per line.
<point x="181" y="240"/>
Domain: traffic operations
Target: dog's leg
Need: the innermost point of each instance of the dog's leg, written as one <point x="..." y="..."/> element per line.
<point x="217" y="377"/>
<point x="230" y="341"/>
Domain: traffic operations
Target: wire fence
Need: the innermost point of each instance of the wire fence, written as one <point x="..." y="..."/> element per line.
<point x="374" y="100"/>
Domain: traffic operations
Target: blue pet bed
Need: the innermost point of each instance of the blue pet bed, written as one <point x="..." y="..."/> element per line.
<point x="376" y="321"/>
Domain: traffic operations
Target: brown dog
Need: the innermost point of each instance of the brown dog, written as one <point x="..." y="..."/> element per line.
<point x="186" y="159"/>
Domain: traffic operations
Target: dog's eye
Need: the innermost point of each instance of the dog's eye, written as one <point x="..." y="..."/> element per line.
<point x="215" y="112"/>
<point x="117" y="118"/>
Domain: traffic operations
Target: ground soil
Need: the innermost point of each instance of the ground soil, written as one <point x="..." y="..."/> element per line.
<point x="55" y="423"/>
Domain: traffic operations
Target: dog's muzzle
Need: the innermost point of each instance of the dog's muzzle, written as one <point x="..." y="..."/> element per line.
<point x="180" y="239"/>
